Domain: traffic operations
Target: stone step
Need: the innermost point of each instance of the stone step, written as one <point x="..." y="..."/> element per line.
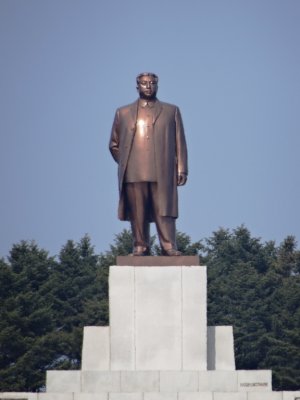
<point x="174" y="396"/>
<point x="153" y="396"/>
<point x="159" y="381"/>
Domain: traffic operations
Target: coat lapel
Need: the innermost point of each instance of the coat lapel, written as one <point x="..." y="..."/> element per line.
<point x="157" y="111"/>
<point x="133" y="114"/>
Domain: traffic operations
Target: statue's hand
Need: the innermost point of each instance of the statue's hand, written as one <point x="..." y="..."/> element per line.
<point x="181" y="178"/>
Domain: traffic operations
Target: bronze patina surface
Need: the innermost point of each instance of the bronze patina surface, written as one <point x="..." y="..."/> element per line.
<point x="148" y="143"/>
<point x="158" y="261"/>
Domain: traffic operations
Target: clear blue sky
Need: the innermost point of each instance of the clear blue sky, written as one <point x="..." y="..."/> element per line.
<point x="233" y="68"/>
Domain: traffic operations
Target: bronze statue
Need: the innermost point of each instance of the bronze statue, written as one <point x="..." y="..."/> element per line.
<point x="148" y="143"/>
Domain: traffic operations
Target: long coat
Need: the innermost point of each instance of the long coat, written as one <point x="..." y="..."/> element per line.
<point x="170" y="152"/>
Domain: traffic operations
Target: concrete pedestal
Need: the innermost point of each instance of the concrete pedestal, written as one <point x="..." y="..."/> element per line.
<point x="158" y="318"/>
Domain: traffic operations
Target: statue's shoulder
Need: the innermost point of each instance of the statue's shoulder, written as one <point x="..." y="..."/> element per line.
<point x="168" y="105"/>
<point x="127" y="107"/>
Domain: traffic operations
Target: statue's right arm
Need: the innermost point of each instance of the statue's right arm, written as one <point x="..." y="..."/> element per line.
<point x="114" y="138"/>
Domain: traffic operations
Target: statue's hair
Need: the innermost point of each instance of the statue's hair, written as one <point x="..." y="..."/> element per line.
<point x="146" y="74"/>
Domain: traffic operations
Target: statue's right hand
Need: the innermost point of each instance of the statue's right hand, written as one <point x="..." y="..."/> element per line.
<point x="181" y="179"/>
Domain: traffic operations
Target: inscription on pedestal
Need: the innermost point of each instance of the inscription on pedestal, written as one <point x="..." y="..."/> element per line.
<point x="254" y="384"/>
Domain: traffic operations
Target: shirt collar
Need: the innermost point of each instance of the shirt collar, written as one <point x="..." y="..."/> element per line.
<point x="146" y="103"/>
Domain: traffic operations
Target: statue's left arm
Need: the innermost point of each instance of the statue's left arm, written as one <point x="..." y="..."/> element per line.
<point x="181" y="150"/>
<point x="114" y="138"/>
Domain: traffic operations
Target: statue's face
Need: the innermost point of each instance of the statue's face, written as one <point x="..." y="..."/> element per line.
<point x="147" y="87"/>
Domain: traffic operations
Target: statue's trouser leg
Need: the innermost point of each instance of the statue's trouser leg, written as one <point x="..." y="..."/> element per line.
<point x="143" y="197"/>
<point x="166" y="227"/>
<point x="137" y="199"/>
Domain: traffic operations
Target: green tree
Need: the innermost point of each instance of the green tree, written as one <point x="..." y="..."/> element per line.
<point x="45" y="304"/>
<point x="25" y="315"/>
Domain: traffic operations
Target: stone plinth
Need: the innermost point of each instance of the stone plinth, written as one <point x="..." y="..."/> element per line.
<point x="158" y="318"/>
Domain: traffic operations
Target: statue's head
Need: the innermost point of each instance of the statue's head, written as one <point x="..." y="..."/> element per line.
<point x="147" y="85"/>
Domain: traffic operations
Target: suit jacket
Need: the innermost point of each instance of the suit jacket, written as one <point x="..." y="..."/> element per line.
<point x="170" y="152"/>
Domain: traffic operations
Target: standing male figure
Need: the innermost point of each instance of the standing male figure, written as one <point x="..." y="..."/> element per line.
<point x="148" y="143"/>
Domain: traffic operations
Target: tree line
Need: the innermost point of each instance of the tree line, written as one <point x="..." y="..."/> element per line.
<point x="46" y="301"/>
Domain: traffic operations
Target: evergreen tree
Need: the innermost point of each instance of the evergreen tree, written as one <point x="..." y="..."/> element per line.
<point x="25" y="316"/>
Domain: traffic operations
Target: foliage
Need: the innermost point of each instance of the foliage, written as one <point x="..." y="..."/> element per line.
<point x="44" y="305"/>
<point x="46" y="301"/>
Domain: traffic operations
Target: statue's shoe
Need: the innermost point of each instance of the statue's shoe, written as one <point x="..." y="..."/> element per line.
<point x="171" y="252"/>
<point x="140" y="251"/>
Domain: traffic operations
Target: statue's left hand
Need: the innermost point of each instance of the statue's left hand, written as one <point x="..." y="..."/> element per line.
<point x="181" y="179"/>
